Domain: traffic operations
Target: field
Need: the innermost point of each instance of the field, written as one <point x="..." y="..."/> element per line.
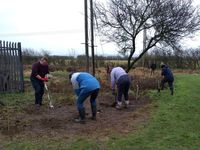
<point x="153" y="121"/>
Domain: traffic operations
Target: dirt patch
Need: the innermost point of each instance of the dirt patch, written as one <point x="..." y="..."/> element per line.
<point x="32" y="122"/>
<point x="58" y="122"/>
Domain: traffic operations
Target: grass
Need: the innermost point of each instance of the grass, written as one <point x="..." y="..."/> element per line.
<point x="174" y="125"/>
<point x="17" y="100"/>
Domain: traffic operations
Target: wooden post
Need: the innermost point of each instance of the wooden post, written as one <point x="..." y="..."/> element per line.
<point x="92" y="36"/>
<point x="1" y="67"/>
<point x="86" y="35"/>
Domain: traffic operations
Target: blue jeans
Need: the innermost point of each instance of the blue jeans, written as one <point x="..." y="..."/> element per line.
<point x="39" y="89"/>
<point x="83" y="96"/>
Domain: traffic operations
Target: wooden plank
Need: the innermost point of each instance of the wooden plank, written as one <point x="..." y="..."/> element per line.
<point x="21" y="68"/>
<point x="10" y="67"/>
<point x="13" y="67"/>
<point x="17" y="67"/>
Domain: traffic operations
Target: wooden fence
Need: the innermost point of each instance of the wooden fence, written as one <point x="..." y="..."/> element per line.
<point x="11" y="68"/>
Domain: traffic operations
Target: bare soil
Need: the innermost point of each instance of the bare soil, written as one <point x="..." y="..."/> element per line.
<point x="58" y="122"/>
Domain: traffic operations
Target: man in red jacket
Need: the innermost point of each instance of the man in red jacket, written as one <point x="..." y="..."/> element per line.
<point x="39" y="70"/>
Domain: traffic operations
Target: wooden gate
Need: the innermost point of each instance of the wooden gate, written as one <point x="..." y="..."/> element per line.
<point x="11" y="68"/>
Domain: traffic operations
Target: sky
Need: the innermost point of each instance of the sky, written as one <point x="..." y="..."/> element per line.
<point x="53" y="25"/>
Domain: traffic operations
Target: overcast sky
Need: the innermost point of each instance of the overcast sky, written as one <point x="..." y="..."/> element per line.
<point x="53" y="25"/>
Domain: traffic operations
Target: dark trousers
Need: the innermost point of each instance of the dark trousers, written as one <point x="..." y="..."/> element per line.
<point x="123" y="85"/>
<point x="170" y="83"/>
<point x="39" y="89"/>
<point x="83" y="96"/>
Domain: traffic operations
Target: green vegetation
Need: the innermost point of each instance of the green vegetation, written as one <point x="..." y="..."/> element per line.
<point x="175" y="122"/>
<point x="17" y="100"/>
<point x="174" y="125"/>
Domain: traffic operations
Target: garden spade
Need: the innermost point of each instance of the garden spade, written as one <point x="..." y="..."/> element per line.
<point x="49" y="96"/>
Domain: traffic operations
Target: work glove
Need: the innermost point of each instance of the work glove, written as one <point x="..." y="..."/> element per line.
<point x="45" y="79"/>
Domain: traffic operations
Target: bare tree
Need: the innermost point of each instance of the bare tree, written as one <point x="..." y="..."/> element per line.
<point x="165" y="21"/>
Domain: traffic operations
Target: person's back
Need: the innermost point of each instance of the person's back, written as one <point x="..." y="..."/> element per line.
<point x="87" y="82"/>
<point x="166" y="71"/>
<point x="115" y="74"/>
<point x="85" y="85"/>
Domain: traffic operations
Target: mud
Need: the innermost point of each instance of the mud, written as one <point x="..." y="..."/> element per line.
<point x="44" y="122"/>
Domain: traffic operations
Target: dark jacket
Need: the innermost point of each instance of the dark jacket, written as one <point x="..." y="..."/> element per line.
<point x="39" y="69"/>
<point x="167" y="73"/>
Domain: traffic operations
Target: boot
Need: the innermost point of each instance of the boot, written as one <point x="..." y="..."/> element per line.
<point x="81" y="118"/>
<point x="94" y="112"/>
<point x="113" y="104"/>
<point x="119" y="105"/>
<point x="172" y="91"/>
<point x="126" y="103"/>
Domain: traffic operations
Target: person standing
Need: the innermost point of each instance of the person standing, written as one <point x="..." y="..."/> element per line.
<point x="167" y="75"/>
<point x="39" y="70"/>
<point x="120" y="78"/>
<point x="85" y="85"/>
<point x="153" y="68"/>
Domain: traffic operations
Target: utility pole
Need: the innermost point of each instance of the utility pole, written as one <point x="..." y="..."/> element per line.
<point x="92" y="36"/>
<point x="144" y="44"/>
<point x="86" y="35"/>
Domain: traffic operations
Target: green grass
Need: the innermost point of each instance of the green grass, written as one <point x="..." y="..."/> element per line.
<point x="17" y="100"/>
<point x="174" y="125"/>
<point x="175" y="122"/>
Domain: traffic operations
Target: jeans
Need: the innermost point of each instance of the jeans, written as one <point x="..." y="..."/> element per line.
<point x="39" y="89"/>
<point x="83" y="96"/>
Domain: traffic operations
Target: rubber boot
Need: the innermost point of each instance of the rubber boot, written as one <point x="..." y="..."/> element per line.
<point x="81" y="118"/>
<point x="94" y="112"/>
<point x="172" y="90"/>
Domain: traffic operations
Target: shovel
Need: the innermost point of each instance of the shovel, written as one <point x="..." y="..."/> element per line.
<point x="49" y="96"/>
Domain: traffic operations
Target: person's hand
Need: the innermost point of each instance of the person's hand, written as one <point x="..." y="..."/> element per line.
<point x="45" y="79"/>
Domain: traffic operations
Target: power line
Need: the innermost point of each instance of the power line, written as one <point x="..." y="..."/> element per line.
<point x="42" y="33"/>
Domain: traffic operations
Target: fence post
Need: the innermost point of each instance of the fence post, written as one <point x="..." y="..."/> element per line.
<point x="21" y="68"/>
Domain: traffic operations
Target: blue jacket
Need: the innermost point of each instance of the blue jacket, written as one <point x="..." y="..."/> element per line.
<point x="167" y="73"/>
<point x="84" y="82"/>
